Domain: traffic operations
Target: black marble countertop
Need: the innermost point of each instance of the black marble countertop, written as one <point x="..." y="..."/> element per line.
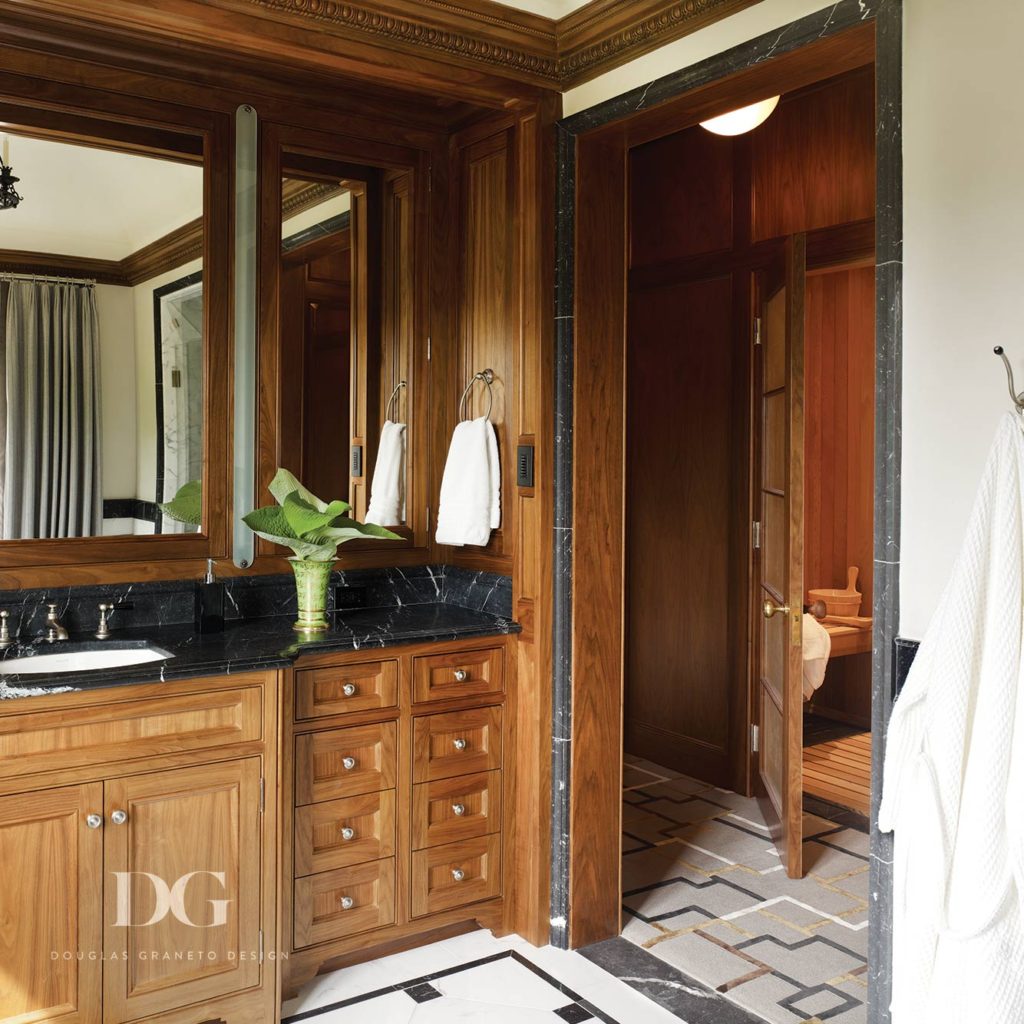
<point x="254" y="644"/>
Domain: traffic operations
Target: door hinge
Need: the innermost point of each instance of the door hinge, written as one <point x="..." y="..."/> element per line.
<point x="428" y="519"/>
<point x="428" y="348"/>
<point x="263" y="795"/>
<point x="757" y="536"/>
<point x="757" y="330"/>
<point x="261" y="945"/>
<point x="755" y="739"/>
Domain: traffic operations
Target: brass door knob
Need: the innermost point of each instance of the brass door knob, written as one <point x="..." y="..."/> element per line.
<point x="771" y="609"/>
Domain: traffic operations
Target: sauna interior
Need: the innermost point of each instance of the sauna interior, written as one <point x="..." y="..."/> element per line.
<point x="709" y="219"/>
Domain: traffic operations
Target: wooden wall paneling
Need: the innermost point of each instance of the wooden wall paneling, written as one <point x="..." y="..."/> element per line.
<point x="528" y="863"/>
<point x="840" y="472"/>
<point x="814" y="158"/>
<point x="486" y="312"/>
<point x="598" y="550"/>
<point x="363" y="221"/>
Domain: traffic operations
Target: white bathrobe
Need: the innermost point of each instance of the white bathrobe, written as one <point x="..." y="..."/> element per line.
<point x="953" y="787"/>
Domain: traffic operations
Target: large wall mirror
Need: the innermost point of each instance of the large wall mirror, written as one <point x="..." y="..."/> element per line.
<point x="347" y="323"/>
<point x="104" y="338"/>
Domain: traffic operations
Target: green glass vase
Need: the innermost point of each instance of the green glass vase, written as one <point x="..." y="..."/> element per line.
<point x="311" y="580"/>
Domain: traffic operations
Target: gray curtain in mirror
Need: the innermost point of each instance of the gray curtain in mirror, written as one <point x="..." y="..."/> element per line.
<point x="49" y="362"/>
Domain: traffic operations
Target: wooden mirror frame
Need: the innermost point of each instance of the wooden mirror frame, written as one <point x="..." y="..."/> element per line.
<point x="132" y="123"/>
<point x="282" y="152"/>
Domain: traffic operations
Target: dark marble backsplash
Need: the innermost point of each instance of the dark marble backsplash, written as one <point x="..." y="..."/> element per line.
<point x="171" y="603"/>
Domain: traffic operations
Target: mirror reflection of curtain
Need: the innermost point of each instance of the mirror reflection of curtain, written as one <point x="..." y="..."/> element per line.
<point x="49" y="339"/>
<point x="181" y="398"/>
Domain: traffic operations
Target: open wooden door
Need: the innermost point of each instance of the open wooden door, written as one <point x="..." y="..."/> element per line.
<point x="779" y="583"/>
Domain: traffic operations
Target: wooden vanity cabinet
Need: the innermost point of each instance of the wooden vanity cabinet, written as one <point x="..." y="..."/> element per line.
<point x="139" y="854"/>
<point x="394" y="780"/>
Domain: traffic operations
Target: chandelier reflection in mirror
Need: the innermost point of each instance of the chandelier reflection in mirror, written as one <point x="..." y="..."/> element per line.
<point x="9" y="197"/>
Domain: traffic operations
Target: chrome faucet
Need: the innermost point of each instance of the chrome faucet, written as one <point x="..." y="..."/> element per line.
<point x="54" y="627"/>
<point x="6" y="640"/>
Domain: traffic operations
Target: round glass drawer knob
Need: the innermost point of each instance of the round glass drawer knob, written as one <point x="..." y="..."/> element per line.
<point x="348" y="763"/>
<point x="461" y="675"/>
<point x="349" y="689"/>
<point x="459" y="744"/>
<point x="459" y="809"/>
<point x="347" y="903"/>
<point x="348" y="833"/>
<point x="458" y="874"/>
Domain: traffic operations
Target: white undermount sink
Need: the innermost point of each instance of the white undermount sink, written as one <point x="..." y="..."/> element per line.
<point x="72" y="657"/>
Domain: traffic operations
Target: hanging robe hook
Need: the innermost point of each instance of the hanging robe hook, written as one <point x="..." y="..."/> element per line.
<point x="1018" y="399"/>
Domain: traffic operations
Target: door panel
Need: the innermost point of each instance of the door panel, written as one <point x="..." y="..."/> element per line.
<point x="50" y="907"/>
<point x="203" y="930"/>
<point x="779" y="589"/>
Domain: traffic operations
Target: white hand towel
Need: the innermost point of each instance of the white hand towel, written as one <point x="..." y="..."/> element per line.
<point x="817" y="647"/>
<point x="470" y="504"/>
<point x="387" y="491"/>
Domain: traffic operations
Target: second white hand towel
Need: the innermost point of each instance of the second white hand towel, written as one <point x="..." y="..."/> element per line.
<point x="387" y="492"/>
<point x="470" y="504"/>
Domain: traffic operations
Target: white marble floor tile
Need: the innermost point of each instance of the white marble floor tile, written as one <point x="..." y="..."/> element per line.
<point x="506" y="980"/>
<point x="448" y="1011"/>
<point x="339" y="985"/>
<point x="392" y="1008"/>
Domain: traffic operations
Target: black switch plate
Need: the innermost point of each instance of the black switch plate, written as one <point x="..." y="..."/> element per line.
<point x="524" y="465"/>
<point x="357" y="460"/>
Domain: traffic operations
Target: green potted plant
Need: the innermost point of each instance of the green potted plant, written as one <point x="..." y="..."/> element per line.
<point x="313" y="529"/>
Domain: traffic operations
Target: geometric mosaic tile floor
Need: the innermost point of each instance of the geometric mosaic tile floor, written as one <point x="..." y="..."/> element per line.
<point x="704" y="890"/>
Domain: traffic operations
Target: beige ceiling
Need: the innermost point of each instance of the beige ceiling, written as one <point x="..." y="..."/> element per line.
<point x="554" y="9"/>
<point x="78" y="201"/>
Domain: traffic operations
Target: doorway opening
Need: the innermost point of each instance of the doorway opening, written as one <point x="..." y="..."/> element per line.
<point x="749" y="495"/>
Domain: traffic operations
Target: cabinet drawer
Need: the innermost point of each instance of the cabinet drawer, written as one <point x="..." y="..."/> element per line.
<point x="341" y="689"/>
<point x="127" y="730"/>
<point x="459" y="743"/>
<point x="340" y="903"/>
<point x="343" y="832"/>
<point x="456" y="874"/>
<point x="452" y="809"/>
<point x="345" y="762"/>
<point x="458" y="674"/>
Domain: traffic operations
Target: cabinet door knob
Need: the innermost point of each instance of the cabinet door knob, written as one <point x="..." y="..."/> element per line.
<point x="347" y="833"/>
<point x="349" y="689"/>
<point x="348" y="763"/>
<point x="93" y="820"/>
<point x="459" y="744"/>
<point x="458" y="874"/>
<point x="461" y="675"/>
<point x="119" y="817"/>
<point x="459" y="809"/>
<point x="347" y="903"/>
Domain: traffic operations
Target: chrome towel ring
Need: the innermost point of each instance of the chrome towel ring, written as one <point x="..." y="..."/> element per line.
<point x="487" y="376"/>
<point x="391" y="400"/>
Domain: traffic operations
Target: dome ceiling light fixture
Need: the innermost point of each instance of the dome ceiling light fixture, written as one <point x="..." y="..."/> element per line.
<point x="9" y="197"/>
<point x="743" y="119"/>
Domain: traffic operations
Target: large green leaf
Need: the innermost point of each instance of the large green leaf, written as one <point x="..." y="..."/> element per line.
<point x="187" y="505"/>
<point x="344" y="529"/>
<point x="271" y="524"/>
<point x="285" y="483"/>
<point x="304" y="519"/>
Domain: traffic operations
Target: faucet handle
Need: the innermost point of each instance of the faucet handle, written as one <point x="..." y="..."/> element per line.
<point x="5" y="632"/>
<point x="53" y="609"/>
<point x="103" y="629"/>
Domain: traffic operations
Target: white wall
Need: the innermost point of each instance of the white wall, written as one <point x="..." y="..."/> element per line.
<point x="117" y="389"/>
<point x="963" y="133"/>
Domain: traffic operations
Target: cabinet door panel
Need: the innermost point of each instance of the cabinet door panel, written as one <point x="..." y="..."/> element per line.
<point x="50" y="907"/>
<point x="182" y="892"/>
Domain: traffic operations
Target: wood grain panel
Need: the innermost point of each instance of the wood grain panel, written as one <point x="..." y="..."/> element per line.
<point x="435" y="885"/>
<point x="458" y="674"/>
<point x="320" y="839"/>
<point x="839" y="496"/>
<point x="125" y="731"/>
<point x="840" y="771"/>
<point x="205" y="820"/>
<point x="345" y="689"/>
<point x="50" y="902"/>
<point x="318" y="909"/>
<point x="679" y="495"/>
<point x="457" y="743"/>
<point x="345" y="762"/>
<point x="680" y="197"/>
<point x="451" y="809"/>
<point x="814" y="158"/>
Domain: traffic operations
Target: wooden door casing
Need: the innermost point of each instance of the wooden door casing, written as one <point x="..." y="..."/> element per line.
<point x="51" y="907"/>
<point x="778" y="583"/>
<point x="203" y="820"/>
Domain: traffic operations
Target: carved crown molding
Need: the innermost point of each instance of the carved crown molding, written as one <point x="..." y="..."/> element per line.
<point x="558" y="54"/>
